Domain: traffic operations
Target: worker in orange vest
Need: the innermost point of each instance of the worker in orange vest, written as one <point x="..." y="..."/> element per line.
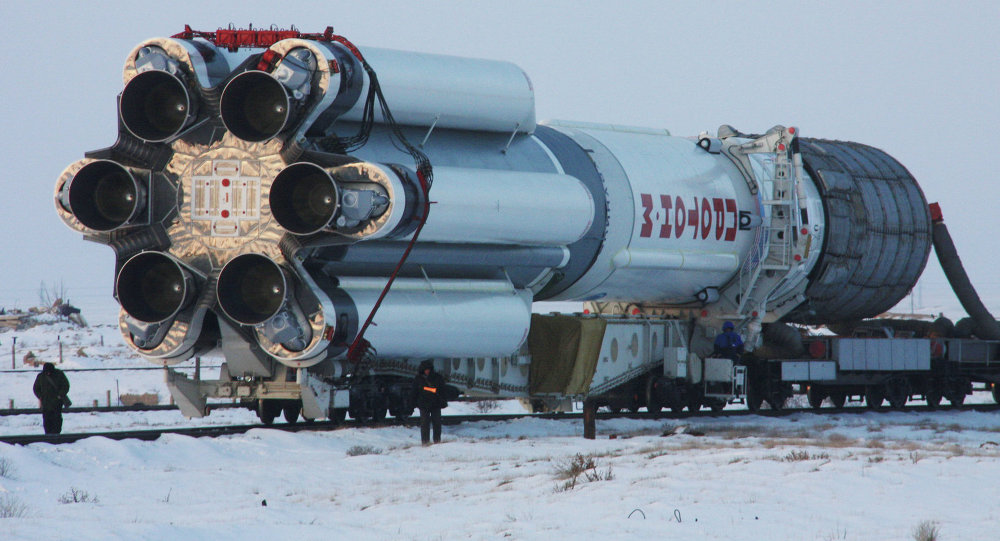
<point x="428" y="393"/>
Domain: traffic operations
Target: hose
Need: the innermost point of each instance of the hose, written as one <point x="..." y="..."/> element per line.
<point x="944" y="247"/>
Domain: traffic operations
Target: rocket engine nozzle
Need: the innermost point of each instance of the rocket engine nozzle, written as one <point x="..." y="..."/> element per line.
<point x="252" y="289"/>
<point x="255" y="107"/>
<point x="156" y="106"/>
<point x="104" y="196"/>
<point x="152" y="287"/>
<point x="304" y="198"/>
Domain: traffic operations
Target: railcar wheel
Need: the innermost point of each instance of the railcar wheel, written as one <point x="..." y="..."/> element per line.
<point x="874" y="396"/>
<point x="360" y="415"/>
<point x="776" y="401"/>
<point x="897" y="391"/>
<point x="956" y="398"/>
<point x="838" y="399"/>
<point x="694" y="401"/>
<point x="653" y="404"/>
<point x="379" y="414"/>
<point x="815" y="396"/>
<point x="755" y="387"/>
<point x="955" y="391"/>
<point x="268" y="410"/>
<point x="339" y="415"/>
<point x="933" y="396"/>
<point x="717" y="405"/>
<point x="291" y="412"/>
<point x="996" y="393"/>
<point x="403" y="414"/>
<point x="754" y="398"/>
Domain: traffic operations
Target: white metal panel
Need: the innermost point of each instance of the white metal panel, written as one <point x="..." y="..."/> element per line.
<point x="844" y="353"/>
<point x="675" y="362"/>
<point x="450" y="91"/>
<point x="852" y="354"/>
<point x="901" y="350"/>
<point x="839" y="352"/>
<point x="822" y="370"/>
<point x="621" y="352"/>
<point x="920" y="356"/>
<point x="507" y="207"/>
<point x="717" y="369"/>
<point x="882" y="355"/>
<point x="795" y="371"/>
<point x="808" y="370"/>
<point x="443" y="318"/>
<point x="873" y="358"/>
<point x="836" y="355"/>
<point x="685" y="218"/>
<point x="620" y="218"/>
<point x="858" y="354"/>
<point x="634" y="347"/>
<point x="912" y="359"/>
<point x="867" y="355"/>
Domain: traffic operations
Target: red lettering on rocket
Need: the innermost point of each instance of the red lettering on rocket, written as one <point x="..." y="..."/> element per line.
<point x="706" y="218"/>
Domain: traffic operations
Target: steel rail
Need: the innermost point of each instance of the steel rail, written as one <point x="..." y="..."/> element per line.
<point x="114" y="409"/>
<point x="321" y="426"/>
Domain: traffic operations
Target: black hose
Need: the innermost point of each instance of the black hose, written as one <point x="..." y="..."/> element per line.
<point x="781" y="341"/>
<point x="944" y="247"/>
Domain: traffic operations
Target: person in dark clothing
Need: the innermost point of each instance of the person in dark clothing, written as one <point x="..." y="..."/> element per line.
<point x="67" y="310"/>
<point x="428" y="387"/>
<point x="51" y="387"/>
<point x="728" y="344"/>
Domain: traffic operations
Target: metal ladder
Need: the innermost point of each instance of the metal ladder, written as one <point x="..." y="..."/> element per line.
<point x="774" y="245"/>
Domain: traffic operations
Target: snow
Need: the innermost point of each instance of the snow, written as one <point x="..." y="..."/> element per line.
<point x="871" y="475"/>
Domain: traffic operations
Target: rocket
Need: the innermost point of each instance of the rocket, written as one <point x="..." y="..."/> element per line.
<point x="267" y="186"/>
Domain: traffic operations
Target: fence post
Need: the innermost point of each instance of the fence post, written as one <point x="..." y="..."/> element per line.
<point x="109" y="398"/>
<point x="12" y="367"/>
<point x="589" y="419"/>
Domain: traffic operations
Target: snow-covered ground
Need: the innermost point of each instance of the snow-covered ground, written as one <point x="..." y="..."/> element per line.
<point x="873" y="476"/>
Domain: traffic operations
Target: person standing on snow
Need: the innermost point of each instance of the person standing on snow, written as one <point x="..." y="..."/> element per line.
<point x="428" y="387"/>
<point x="51" y="387"/>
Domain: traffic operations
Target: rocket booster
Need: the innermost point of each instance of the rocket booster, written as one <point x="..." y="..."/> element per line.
<point x="261" y="196"/>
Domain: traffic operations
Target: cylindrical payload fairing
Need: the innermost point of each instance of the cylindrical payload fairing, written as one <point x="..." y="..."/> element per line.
<point x="266" y="196"/>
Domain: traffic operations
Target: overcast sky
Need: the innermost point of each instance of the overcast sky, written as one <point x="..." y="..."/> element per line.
<point x="920" y="80"/>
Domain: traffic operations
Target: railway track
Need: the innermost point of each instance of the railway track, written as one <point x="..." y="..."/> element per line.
<point x="322" y="426"/>
<point x="137" y="407"/>
<point x="112" y="409"/>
